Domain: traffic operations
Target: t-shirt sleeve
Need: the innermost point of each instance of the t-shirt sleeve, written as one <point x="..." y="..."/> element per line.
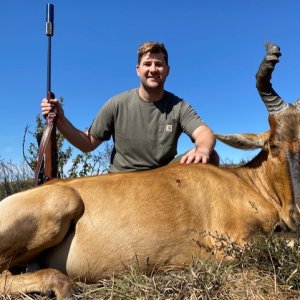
<point x="189" y="119"/>
<point x="103" y="124"/>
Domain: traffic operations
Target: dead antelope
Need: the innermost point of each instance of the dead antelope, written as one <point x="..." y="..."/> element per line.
<point x="87" y="228"/>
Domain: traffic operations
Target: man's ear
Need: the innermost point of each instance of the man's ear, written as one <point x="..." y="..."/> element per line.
<point x="168" y="72"/>
<point x="137" y="68"/>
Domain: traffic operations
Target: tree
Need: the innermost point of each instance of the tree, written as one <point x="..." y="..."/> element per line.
<point x="68" y="164"/>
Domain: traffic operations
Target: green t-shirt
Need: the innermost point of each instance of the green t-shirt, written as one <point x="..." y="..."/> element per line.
<point x="145" y="134"/>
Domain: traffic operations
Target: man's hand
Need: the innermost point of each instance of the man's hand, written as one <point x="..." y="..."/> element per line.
<point x="47" y="106"/>
<point x="195" y="156"/>
<point x="205" y="142"/>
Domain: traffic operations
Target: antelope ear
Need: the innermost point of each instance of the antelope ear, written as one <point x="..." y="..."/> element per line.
<point x="297" y="104"/>
<point x="245" y="141"/>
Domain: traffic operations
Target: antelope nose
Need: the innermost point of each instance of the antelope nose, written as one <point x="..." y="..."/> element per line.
<point x="295" y="214"/>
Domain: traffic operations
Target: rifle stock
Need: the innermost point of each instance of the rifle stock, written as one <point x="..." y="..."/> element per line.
<point x="50" y="164"/>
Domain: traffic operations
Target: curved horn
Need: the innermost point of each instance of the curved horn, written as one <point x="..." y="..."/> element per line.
<point x="274" y="103"/>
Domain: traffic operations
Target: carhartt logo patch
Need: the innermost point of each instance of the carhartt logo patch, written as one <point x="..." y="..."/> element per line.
<point x="169" y="128"/>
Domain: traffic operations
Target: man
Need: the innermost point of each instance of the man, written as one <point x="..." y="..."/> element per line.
<point x="145" y="123"/>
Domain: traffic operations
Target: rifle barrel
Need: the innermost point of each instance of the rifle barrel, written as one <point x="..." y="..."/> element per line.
<point x="50" y="166"/>
<point x="49" y="34"/>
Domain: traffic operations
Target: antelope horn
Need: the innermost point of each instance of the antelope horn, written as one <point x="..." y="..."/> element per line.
<point x="274" y="103"/>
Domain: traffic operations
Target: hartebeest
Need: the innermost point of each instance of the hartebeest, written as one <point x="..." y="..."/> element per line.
<point x="92" y="227"/>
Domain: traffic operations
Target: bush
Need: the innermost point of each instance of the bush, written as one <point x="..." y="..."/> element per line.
<point x="14" y="178"/>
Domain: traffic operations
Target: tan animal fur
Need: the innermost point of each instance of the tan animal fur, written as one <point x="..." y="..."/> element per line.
<point x="93" y="227"/>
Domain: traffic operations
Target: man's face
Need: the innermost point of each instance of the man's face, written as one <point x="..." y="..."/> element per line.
<point x="153" y="70"/>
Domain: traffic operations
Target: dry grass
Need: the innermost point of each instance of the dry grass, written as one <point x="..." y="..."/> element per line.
<point x="268" y="269"/>
<point x="198" y="282"/>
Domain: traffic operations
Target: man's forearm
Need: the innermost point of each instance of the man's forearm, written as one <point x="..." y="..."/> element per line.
<point x="80" y="139"/>
<point x="205" y="142"/>
<point x="204" y="139"/>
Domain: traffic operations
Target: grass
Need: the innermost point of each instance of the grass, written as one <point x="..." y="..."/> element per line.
<point x="267" y="269"/>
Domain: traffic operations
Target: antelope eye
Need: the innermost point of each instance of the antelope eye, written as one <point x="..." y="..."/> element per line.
<point x="274" y="149"/>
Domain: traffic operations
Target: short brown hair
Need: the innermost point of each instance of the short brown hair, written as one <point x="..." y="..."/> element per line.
<point x="152" y="47"/>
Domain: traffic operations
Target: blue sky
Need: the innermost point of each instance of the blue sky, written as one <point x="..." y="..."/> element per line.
<point x="215" y="48"/>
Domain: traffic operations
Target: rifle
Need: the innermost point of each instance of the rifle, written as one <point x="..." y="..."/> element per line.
<point x="47" y="148"/>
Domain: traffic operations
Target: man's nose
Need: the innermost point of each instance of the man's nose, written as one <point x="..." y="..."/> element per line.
<point x="153" y="67"/>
